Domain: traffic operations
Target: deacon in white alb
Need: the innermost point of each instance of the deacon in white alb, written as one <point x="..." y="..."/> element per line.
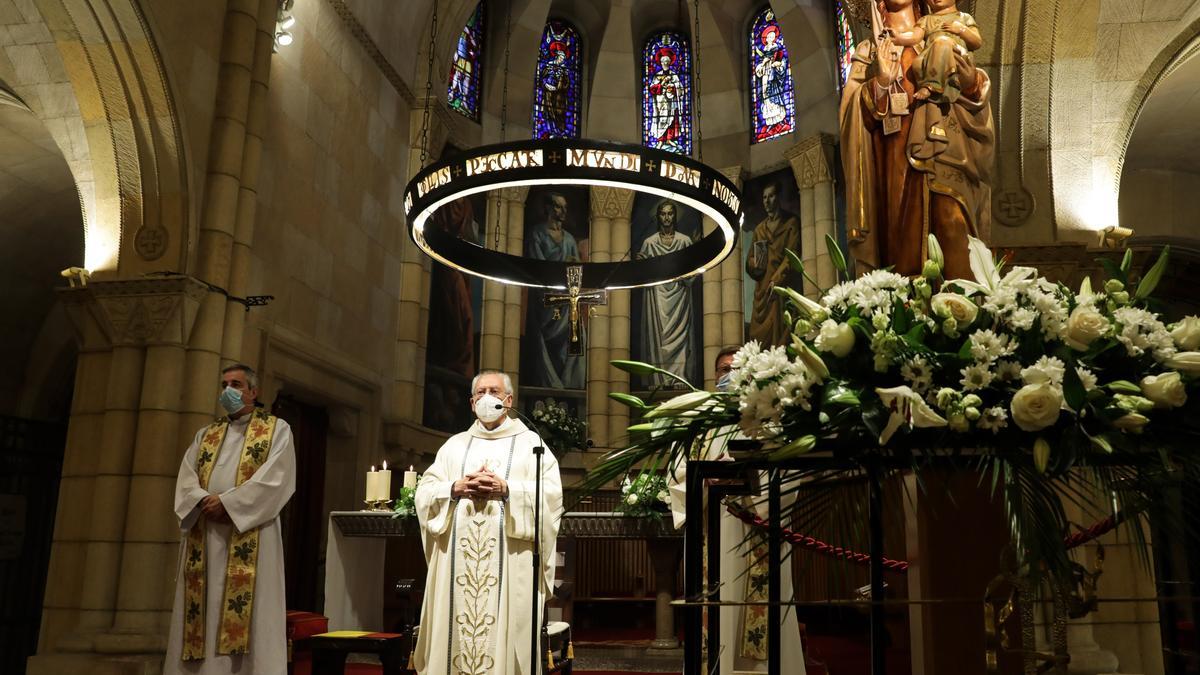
<point x="235" y="478"/>
<point x="476" y="509"/>
<point x="744" y="570"/>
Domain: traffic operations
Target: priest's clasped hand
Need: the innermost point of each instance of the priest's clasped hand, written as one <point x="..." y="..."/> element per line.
<point x="214" y="510"/>
<point x="480" y="484"/>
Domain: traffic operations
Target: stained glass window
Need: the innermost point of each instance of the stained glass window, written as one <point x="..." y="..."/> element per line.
<point x="772" y="106"/>
<point x="845" y="42"/>
<point x="667" y="93"/>
<point x="466" y="73"/>
<point x="556" y="102"/>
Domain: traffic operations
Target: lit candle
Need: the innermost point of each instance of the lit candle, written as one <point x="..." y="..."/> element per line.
<point x="372" y="485"/>
<point x="410" y="478"/>
<point x="385" y="483"/>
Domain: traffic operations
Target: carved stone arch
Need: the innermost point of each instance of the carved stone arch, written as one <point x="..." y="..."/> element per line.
<point x="103" y="94"/>
<point x="1183" y="45"/>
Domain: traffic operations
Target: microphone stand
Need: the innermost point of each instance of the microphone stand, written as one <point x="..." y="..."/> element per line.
<point x="538" y="451"/>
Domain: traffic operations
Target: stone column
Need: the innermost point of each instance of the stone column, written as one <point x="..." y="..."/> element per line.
<point x="620" y="207"/>
<point x="168" y="308"/>
<point x="116" y="520"/>
<point x="605" y="205"/>
<point x="513" y="199"/>
<point x="247" y="200"/>
<point x="407" y="391"/>
<point x="219" y="213"/>
<point x="812" y="165"/>
<point x="491" y="329"/>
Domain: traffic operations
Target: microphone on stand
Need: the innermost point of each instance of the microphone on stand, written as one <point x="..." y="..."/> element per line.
<point x="538" y="451"/>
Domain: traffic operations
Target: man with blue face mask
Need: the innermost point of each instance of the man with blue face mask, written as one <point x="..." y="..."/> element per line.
<point x="476" y="506"/>
<point x="235" y="478"/>
<point x="743" y="567"/>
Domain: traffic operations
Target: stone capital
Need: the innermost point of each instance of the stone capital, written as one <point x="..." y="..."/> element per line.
<point x="733" y="173"/>
<point x="134" y="312"/>
<point x="514" y="194"/>
<point x="812" y="160"/>
<point x="611" y="202"/>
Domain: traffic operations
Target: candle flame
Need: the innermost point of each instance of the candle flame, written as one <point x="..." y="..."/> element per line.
<point x="385" y="465"/>
<point x="372" y="467"/>
<point x="410" y="467"/>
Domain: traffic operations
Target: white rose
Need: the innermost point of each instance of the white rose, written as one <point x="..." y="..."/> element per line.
<point x="663" y="496"/>
<point x="1166" y="390"/>
<point x="835" y="337"/>
<point x="1036" y="406"/>
<point x="1188" y="362"/>
<point x="1186" y="333"/>
<point x="954" y="306"/>
<point x="631" y="499"/>
<point x="1084" y="326"/>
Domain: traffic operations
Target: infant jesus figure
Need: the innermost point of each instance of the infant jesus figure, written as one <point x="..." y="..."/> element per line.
<point x="944" y="30"/>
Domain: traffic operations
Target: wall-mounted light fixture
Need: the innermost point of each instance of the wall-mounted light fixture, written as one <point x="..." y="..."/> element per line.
<point x="1114" y="236"/>
<point x="284" y="21"/>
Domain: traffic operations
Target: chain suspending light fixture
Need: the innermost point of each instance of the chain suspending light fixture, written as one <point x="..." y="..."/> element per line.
<point x="571" y="162"/>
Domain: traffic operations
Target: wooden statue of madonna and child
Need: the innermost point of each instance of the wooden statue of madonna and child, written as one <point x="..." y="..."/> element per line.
<point x="917" y="138"/>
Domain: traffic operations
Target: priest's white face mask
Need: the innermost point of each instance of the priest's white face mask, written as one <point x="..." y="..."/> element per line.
<point x="490" y="400"/>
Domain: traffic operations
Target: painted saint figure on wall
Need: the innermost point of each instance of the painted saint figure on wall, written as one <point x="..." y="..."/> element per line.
<point x="775" y="230"/>
<point x="452" y="355"/>
<point x="548" y="332"/>
<point x="666" y="327"/>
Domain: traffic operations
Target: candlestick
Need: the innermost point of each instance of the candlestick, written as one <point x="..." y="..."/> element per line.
<point x="385" y="483"/>
<point x="410" y="478"/>
<point x="373" y="485"/>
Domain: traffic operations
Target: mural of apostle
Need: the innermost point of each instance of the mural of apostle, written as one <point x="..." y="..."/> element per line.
<point x="775" y="228"/>
<point x="552" y="222"/>
<point x="452" y="355"/>
<point x="665" y="326"/>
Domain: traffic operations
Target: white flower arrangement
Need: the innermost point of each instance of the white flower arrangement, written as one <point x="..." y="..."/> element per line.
<point x="1036" y="377"/>
<point x="645" y="495"/>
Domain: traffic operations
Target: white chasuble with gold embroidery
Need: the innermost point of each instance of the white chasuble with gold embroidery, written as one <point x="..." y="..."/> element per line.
<point x="252" y="502"/>
<point x="477" y="614"/>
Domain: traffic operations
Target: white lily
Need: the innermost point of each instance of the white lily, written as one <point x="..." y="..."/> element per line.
<point x="810" y="358"/>
<point x="907" y="407"/>
<point x="679" y="405"/>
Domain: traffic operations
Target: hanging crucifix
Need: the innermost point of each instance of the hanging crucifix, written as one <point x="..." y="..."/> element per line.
<point x="574" y="297"/>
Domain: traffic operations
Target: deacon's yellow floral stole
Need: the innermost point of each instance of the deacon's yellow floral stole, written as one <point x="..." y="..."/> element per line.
<point x="237" y="604"/>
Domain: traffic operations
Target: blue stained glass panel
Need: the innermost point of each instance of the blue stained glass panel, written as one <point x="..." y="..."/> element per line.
<point x="466" y="72"/>
<point x="845" y="42"/>
<point x="556" y="101"/>
<point x="772" y="105"/>
<point x="667" y="93"/>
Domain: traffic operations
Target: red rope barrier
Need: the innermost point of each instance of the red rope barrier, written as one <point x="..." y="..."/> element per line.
<point x="900" y="566"/>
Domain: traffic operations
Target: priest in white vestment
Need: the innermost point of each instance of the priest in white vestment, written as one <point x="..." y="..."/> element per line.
<point x="235" y="478"/>
<point x="743" y="636"/>
<point x="476" y="505"/>
<point x="666" y="308"/>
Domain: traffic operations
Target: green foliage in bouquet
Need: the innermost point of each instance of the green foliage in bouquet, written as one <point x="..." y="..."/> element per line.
<point x="558" y="428"/>
<point x="406" y="506"/>
<point x="645" y="495"/>
<point x="1048" y="394"/>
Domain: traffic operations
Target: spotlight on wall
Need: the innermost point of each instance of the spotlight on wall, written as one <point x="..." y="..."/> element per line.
<point x="76" y="274"/>
<point x="284" y="20"/>
<point x="1114" y="236"/>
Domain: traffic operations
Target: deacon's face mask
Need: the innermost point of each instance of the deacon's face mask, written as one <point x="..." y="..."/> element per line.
<point x="488" y="408"/>
<point x="724" y="381"/>
<point x="231" y="400"/>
